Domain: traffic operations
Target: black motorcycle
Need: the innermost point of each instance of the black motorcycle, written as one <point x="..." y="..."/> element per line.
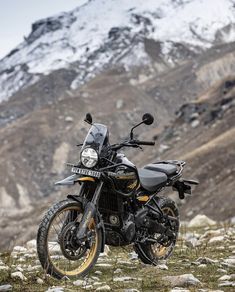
<point x="117" y="204"/>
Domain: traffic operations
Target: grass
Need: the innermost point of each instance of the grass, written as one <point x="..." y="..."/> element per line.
<point x="149" y="278"/>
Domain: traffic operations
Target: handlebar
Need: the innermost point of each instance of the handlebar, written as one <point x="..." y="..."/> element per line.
<point x="132" y="143"/>
<point x="148" y="143"/>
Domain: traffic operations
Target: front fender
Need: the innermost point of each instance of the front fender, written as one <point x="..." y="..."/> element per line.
<point x="70" y="180"/>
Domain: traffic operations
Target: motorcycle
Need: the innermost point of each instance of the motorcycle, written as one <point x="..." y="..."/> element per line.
<point x="117" y="204"/>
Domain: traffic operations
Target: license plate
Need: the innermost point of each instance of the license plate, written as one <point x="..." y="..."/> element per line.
<point x="87" y="172"/>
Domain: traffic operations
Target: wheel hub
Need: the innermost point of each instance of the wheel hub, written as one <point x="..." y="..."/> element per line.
<point x="70" y="247"/>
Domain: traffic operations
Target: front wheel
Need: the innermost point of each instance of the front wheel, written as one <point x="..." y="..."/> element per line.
<point x="152" y="253"/>
<point x="58" y="250"/>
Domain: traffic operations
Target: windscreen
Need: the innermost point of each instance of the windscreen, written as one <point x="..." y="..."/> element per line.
<point x="96" y="137"/>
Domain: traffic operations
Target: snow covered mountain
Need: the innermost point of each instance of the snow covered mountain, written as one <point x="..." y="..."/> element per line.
<point x="106" y="33"/>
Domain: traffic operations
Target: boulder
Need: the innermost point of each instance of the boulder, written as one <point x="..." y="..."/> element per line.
<point x="227" y="284"/>
<point x="201" y="221"/>
<point x="79" y="283"/>
<point x="32" y="245"/>
<point x="178" y="289"/>
<point x="5" y="288"/>
<point x="205" y="260"/>
<point x="55" y="289"/>
<point x="216" y="239"/>
<point x="40" y="281"/>
<point x="185" y="280"/>
<point x="18" y="275"/>
<point x="230" y="262"/>
<point x="125" y="279"/>
<point x="19" y="249"/>
<point x="104" y="288"/>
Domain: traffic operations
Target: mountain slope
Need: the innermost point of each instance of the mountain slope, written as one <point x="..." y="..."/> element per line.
<point x="100" y="34"/>
<point x="139" y="63"/>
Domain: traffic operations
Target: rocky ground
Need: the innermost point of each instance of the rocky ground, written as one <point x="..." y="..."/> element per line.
<point x="204" y="260"/>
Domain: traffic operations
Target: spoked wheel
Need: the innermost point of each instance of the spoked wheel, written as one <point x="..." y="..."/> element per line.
<point x="59" y="252"/>
<point x="152" y="253"/>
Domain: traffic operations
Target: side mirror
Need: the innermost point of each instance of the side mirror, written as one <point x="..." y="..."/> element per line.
<point x="88" y="118"/>
<point x="147" y="119"/>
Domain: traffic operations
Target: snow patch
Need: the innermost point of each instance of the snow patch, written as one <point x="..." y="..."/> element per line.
<point x="102" y="33"/>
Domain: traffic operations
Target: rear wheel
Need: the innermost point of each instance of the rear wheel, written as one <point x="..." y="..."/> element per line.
<point x="152" y="253"/>
<point x="58" y="250"/>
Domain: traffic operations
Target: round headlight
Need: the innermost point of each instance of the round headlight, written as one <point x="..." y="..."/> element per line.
<point x="89" y="157"/>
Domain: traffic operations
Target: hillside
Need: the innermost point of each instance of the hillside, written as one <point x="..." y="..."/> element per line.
<point x="184" y="80"/>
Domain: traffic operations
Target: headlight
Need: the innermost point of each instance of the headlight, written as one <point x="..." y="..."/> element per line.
<point x="89" y="157"/>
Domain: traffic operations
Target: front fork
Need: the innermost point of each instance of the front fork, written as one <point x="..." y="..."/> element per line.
<point x="89" y="214"/>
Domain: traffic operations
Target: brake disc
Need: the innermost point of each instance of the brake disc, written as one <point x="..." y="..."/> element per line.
<point x="70" y="248"/>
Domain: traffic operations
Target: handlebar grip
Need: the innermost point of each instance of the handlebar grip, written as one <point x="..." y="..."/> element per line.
<point x="149" y="143"/>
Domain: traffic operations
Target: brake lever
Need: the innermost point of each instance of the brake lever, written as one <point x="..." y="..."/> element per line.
<point x="141" y="148"/>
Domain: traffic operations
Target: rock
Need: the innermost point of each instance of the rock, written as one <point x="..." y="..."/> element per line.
<point x="125" y="279"/>
<point x="224" y="278"/>
<point x="131" y="290"/>
<point x="88" y="287"/>
<point x="4" y="268"/>
<point x="232" y="220"/>
<point x="182" y="280"/>
<point x="104" y="265"/>
<point x="98" y="273"/>
<point x="227" y="284"/>
<point x="5" y="288"/>
<point x="229" y="262"/>
<point x="202" y="266"/>
<point x="18" y="275"/>
<point x="54" y="247"/>
<point x="177" y="289"/>
<point x="162" y="148"/>
<point x="195" y="123"/>
<point x="210" y="233"/>
<point x="222" y="271"/>
<point x="40" y="281"/>
<point x="18" y="268"/>
<point x="119" y="104"/>
<point x="133" y="256"/>
<point x="220" y="248"/>
<point x="34" y="268"/>
<point x="117" y="271"/>
<point x="191" y="240"/>
<point x="79" y="283"/>
<point x="19" y="249"/>
<point x="162" y="267"/>
<point x="216" y="239"/>
<point x="201" y="221"/>
<point x="104" y="288"/>
<point x="32" y="245"/>
<point x="68" y="119"/>
<point x="55" y="289"/>
<point x="205" y="260"/>
<point x="106" y="251"/>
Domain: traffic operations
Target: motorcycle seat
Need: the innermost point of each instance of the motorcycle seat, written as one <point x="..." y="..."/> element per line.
<point x="167" y="168"/>
<point x="151" y="180"/>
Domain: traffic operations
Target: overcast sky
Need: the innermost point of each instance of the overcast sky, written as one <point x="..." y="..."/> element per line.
<point x="16" y="17"/>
